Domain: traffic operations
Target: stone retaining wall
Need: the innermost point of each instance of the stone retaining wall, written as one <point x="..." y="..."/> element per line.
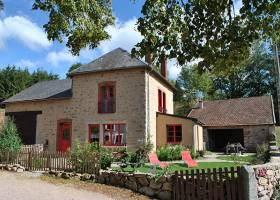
<point x="267" y="176"/>
<point x="142" y="183"/>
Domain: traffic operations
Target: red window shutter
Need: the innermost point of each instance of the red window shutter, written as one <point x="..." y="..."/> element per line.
<point x="159" y="101"/>
<point x="164" y="102"/>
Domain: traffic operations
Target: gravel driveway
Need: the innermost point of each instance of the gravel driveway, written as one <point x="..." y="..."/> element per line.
<point x="22" y="187"/>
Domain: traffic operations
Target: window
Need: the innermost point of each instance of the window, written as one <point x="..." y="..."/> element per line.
<point x="107" y="97"/>
<point x="93" y="133"/>
<point x="114" y="134"/>
<point x="161" y="102"/>
<point x="174" y="134"/>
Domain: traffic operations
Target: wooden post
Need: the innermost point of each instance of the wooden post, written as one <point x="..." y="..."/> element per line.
<point x="29" y="160"/>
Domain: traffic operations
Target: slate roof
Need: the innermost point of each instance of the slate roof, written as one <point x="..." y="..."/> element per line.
<point x="44" y="90"/>
<point x="116" y="59"/>
<point x="231" y="112"/>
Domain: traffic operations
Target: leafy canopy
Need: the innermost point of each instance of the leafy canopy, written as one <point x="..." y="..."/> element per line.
<point x="209" y="30"/>
<point x="1" y="5"/>
<point x="73" y="67"/>
<point x="14" y="80"/>
<point x="81" y="23"/>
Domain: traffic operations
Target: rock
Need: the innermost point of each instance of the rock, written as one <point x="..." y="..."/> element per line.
<point x="20" y="170"/>
<point x="269" y="172"/>
<point x="131" y="185"/>
<point x="143" y="181"/>
<point x="164" y="195"/>
<point x="14" y="169"/>
<point x="155" y="185"/>
<point x="85" y="177"/>
<point x="264" y="198"/>
<point x="260" y="188"/>
<point x="167" y="187"/>
<point x="263" y="193"/>
<point x="263" y="181"/>
<point x="147" y="191"/>
<point x="100" y="179"/>
<point x="65" y="175"/>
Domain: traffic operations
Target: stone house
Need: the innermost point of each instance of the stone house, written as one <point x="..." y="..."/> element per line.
<point x="116" y="100"/>
<point x="248" y="121"/>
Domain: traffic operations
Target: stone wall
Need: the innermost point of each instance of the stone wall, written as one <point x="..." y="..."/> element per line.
<point x="267" y="176"/>
<point x="142" y="183"/>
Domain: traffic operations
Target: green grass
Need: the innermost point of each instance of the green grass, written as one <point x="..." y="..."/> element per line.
<point x="277" y="130"/>
<point x="248" y="159"/>
<point x="178" y="167"/>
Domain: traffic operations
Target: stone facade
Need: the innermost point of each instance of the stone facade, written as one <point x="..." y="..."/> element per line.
<point x="253" y="135"/>
<point x="82" y="108"/>
<point x="267" y="176"/>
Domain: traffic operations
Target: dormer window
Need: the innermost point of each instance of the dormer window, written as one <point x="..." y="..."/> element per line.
<point x="107" y="97"/>
<point x="161" y="101"/>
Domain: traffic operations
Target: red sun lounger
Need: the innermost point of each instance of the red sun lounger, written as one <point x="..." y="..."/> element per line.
<point x="155" y="161"/>
<point x="188" y="159"/>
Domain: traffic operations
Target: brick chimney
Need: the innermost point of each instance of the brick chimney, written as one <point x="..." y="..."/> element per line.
<point x="200" y="104"/>
<point x="163" y="67"/>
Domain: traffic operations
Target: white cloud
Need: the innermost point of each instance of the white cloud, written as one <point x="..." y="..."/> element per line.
<point x="63" y="56"/>
<point x="123" y="35"/>
<point x="26" y="63"/>
<point x="22" y="29"/>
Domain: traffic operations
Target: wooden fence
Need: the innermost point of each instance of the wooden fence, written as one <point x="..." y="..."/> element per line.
<point x="57" y="161"/>
<point x="216" y="184"/>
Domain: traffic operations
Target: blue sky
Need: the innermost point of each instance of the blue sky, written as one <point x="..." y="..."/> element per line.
<point x="23" y="41"/>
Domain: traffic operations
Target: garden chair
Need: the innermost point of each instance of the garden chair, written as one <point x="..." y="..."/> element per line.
<point x="154" y="161"/>
<point x="188" y="159"/>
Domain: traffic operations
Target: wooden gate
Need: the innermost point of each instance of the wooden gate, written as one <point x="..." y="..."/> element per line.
<point x="216" y="184"/>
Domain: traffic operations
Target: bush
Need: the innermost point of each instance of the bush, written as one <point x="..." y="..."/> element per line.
<point x="81" y="154"/>
<point x="9" y="138"/>
<point x="170" y="152"/>
<point x="262" y="154"/>
<point x="106" y="158"/>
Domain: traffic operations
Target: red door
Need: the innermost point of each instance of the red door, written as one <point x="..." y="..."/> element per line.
<point x="64" y="136"/>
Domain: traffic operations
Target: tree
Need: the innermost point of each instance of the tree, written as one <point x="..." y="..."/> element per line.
<point x="13" y="80"/>
<point x="207" y="30"/>
<point x="81" y="23"/>
<point x="191" y="86"/>
<point x="1" y="5"/>
<point x="73" y="67"/>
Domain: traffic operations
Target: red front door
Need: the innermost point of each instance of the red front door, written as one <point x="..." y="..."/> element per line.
<point x="64" y="136"/>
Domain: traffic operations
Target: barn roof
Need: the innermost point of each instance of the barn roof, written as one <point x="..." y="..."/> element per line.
<point x="239" y="111"/>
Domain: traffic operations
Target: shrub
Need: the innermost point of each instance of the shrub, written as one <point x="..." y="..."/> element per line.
<point x="9" y="138"/>
<point x="81" y="155"/>
<point x="194" y="153"/>
<point x="262" y="154"/>
<point x="170" y="152"/>
<point x="106" y="158"/>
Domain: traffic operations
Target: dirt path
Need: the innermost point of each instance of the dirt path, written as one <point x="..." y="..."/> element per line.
<point x="25" y="187"/>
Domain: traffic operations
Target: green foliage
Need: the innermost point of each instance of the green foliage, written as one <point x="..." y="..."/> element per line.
<point x="14" y="80"/>
<point x="1" y="5"/>
<point x="9" y="138"/>
<point x="262" y="154"/>
<point x="207" y="30"/>
<point x="170" y="152"/>
<point x="277" y="132"/>
<point x="81" y="154"/>
<point x="106" y="158"/>
<point x="73" y="67"/>
<point x="81" y="23"/>
<point x="194" y="153"/>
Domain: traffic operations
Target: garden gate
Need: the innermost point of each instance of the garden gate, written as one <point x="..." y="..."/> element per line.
<point x="215" y="184"/>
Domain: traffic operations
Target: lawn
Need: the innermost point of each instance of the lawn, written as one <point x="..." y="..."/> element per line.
<point x="248" y="159"/>
<point x="178" y="167"/>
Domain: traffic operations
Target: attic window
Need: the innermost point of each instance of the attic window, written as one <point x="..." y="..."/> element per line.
<point x="107" y="97"/>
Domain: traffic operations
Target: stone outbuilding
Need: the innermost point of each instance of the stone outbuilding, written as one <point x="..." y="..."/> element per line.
<point x="248" y="121"/>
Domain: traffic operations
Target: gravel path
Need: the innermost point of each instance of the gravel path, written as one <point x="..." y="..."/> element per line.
<point x="21" y="187"/>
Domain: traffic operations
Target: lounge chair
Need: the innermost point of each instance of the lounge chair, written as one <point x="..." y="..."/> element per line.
<point x="188" y="159"/>
<point x="155" y="161"/>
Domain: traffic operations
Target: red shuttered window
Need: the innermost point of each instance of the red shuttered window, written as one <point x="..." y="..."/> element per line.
<point x="107" y="97"/>
<point x="161" y="102"/>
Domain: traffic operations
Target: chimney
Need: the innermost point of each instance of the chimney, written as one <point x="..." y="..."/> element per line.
<point x="163" y="67"/>
<point x="200" y="104"/>
<point x="148" y="58"/>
